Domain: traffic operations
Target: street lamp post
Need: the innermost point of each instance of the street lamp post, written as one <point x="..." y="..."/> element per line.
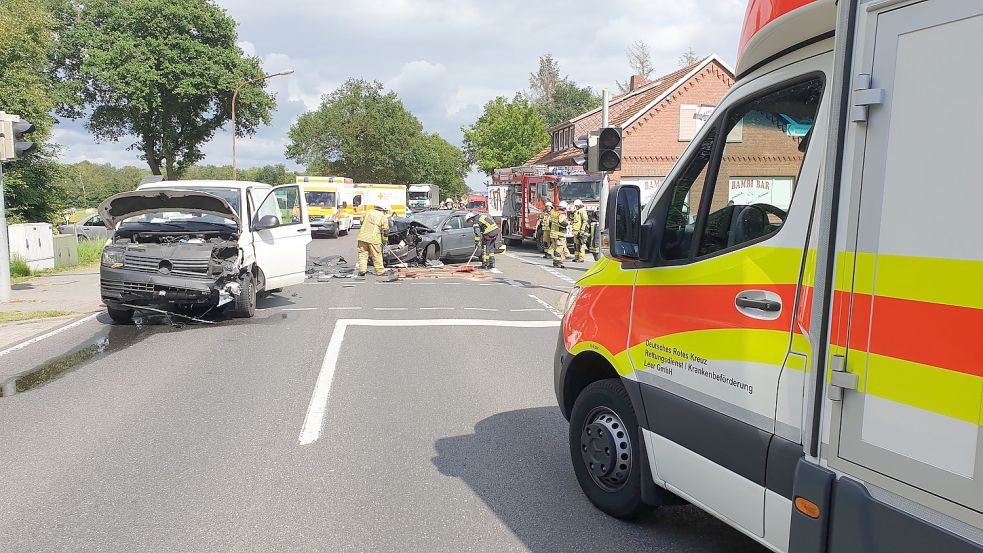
<point x="235" y="96"/>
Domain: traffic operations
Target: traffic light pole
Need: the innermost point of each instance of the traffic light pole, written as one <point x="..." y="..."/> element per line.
<point x="4" y="248"/>
<point x="602" y="209"/>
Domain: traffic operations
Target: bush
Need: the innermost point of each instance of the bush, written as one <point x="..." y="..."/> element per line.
<point x="90" y="251"/>
<point x="18" y="267"/>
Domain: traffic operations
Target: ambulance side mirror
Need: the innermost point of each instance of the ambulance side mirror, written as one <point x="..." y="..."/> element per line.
<point x="624" y="214"/>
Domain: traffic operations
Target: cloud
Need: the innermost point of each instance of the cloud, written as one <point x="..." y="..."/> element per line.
<point x="445" y="58"/>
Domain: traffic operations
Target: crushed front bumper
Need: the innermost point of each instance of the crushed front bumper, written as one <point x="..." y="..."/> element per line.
<point x="123" y="286"/>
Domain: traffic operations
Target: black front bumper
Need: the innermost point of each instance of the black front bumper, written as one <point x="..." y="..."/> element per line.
<point x="326" y="225"/>
<point x="119" y="286"/>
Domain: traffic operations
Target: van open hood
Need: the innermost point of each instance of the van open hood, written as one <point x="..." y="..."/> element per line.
<point x="130" y="204"/>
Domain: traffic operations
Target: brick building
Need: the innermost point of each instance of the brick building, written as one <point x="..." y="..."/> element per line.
<point x="659" y="117"/>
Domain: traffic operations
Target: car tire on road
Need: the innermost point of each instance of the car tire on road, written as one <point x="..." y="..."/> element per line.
<point x="431" y="253"/>
<point x="604" y="450"/>
<point x="121" y="316"/>
<point x="244" y="305"/>
<point x="335" y="233"/>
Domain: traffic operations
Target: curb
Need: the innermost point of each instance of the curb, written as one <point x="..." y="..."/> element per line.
<point x="8" y="386"/>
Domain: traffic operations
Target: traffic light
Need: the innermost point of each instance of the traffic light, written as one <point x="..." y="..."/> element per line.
<point x="609" y="149"/>
<point x="587" y="143"/>
<point x="12" y="143"/>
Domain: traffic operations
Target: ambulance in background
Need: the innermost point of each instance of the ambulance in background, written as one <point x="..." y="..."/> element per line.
<point x="788" y="334"/>
<point x="423" y="197"/>
<point x="365" y="196"/>
<point x="325" y="199"/>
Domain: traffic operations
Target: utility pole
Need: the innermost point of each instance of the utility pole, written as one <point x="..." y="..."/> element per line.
<point x="235" y="96"/>
<point x="603" y="207"/>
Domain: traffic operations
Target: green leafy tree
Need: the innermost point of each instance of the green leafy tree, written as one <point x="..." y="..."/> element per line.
<point x="86" y="184"/>
<point x="27" y="31"/>
<point x="507" y="134"/>
<point x="359" y="131"/>
<point x="162" y="71"/>
<point x="568" y="101"/>
<point x="444" y="165"/>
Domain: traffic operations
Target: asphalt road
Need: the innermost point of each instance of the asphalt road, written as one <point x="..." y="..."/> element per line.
<point x="347" y="416"/>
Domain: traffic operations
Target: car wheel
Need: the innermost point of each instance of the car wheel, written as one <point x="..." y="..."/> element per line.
<point x="83" y="238"/>
<point x="604" y="450"/>
<point x="244" y="305"/>
<point x="431" y="253"/>
<point x="335" y="233"/>
<point x="121" y="316"/>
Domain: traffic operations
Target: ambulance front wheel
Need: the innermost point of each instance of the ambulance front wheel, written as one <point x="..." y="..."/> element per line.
<point x="604" y="450"/>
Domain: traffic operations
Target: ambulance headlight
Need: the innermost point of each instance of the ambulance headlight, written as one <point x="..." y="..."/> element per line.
<point x="571" y="301"/>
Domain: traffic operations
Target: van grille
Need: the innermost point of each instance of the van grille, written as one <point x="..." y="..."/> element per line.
<point x="182" y="267"/>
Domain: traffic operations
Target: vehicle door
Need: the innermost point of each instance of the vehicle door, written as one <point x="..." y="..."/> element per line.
<point x="281" y="235"/>
<point x="711" y="320"/>
<point x="458" y="240"/>
<point x="94" y="229"/>
<point x="907" y="380"/>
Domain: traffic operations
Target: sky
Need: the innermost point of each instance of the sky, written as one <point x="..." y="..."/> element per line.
<point x="445" y="58"/>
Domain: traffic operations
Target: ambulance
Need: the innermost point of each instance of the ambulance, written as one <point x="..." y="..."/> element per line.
<point x="789" y="333"/>
<point x="365" y="196"/>
<point x="325" y="204"/>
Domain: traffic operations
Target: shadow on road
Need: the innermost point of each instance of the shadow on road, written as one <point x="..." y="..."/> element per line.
<point x="518" y="463"/>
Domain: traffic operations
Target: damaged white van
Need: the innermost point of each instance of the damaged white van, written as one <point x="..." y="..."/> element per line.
<point x="198" y="245"/>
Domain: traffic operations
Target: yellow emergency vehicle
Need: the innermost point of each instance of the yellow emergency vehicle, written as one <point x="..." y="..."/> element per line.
<point x="365" y="196"/>
<point x="326" y="206"/>
<point x="788" y="333"/>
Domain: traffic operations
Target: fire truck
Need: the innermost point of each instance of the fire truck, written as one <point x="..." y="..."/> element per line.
<point x="787" y="334"/>
<point x="527" y="188"/>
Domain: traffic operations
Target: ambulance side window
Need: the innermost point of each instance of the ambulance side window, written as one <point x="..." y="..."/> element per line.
<point x="750" y="179"/>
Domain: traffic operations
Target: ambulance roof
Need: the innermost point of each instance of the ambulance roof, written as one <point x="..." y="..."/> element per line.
<point x="774" y="26"/>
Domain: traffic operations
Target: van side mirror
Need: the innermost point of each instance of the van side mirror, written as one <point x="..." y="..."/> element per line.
<point x="267" y="222"/>
<point x="624" y="214"/>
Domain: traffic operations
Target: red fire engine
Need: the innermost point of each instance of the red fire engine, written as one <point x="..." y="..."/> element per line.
<point x="525" y="190"/>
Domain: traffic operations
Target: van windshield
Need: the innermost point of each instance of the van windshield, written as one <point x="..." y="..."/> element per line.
<point x="190" y="219"/>
<point x="320" y="198"/>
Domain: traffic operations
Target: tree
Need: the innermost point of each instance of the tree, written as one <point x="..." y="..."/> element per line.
<point x="445" y="166"/>
<point x="543" y="82"/>
<point x="163" y="71"/>
<point x="689" y="57"/>
<point x="506" y="135"/>
<point x="569" y="101"/>
<point x="640" y="61"/>
<point x="27" y="33"/>
<point x="361" y="132"/>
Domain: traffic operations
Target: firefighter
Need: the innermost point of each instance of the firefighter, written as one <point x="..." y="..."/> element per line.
<point x="485" y="235"/>
<point x="558" y="232"/>
<point x="594" y="240"/>
<point x="581" y="231"/>
<point x="545" y="223"/>
<point x="375" y="224"/>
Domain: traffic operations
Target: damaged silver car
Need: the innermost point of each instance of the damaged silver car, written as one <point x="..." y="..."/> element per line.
<point x="189" y="249"/>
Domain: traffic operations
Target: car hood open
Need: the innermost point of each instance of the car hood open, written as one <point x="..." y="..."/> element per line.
<point x="130" y="204"/>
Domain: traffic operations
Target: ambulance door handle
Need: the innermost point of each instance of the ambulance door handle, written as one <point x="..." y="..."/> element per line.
<point x="770" y="306"/>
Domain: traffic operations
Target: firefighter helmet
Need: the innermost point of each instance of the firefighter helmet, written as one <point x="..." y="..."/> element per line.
<point x="578" y="204"/>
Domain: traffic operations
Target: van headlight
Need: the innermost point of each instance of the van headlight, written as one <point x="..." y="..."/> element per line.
<point x="112" y="258"/>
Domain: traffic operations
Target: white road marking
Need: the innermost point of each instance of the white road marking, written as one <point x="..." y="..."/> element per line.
<point x="300" y="309"/>
<point x="54" y="332"/>
<point x="547" y="268"/>
<point x="548" y="307"/>
<point x="343" y="308"/>
<point x="496" y="271"/>
<point x="527" y="310"/>
<point x="480" y="309"/>
<point x="438" y="308"/>
<point x="314" y="419"/>
<point x="390" y="308"/>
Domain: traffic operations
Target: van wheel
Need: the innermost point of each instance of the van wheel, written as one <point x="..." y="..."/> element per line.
<point x="121" y="316"/>
<point x="244" y="305"/>
<point x="604" y="450"/>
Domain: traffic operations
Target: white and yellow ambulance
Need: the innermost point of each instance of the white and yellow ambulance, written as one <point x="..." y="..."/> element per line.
<point x="365" y="196"/>
<point x="789" y="333"/>
<point x="326" y="204"/>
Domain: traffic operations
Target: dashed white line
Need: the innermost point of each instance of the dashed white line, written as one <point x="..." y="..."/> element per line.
<point x="480" y="309"/>
<point x="311" y="430"/>
<point x="344" y="308"/>
<point x="548" y="307"/>
<point x="390" y="308"/>
<point x="54" y="332"/>
<point x="494" y="270"/>
<point x="438" y="308"/>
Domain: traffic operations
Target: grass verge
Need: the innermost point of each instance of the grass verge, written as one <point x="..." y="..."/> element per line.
<point x="14" y="316"/>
